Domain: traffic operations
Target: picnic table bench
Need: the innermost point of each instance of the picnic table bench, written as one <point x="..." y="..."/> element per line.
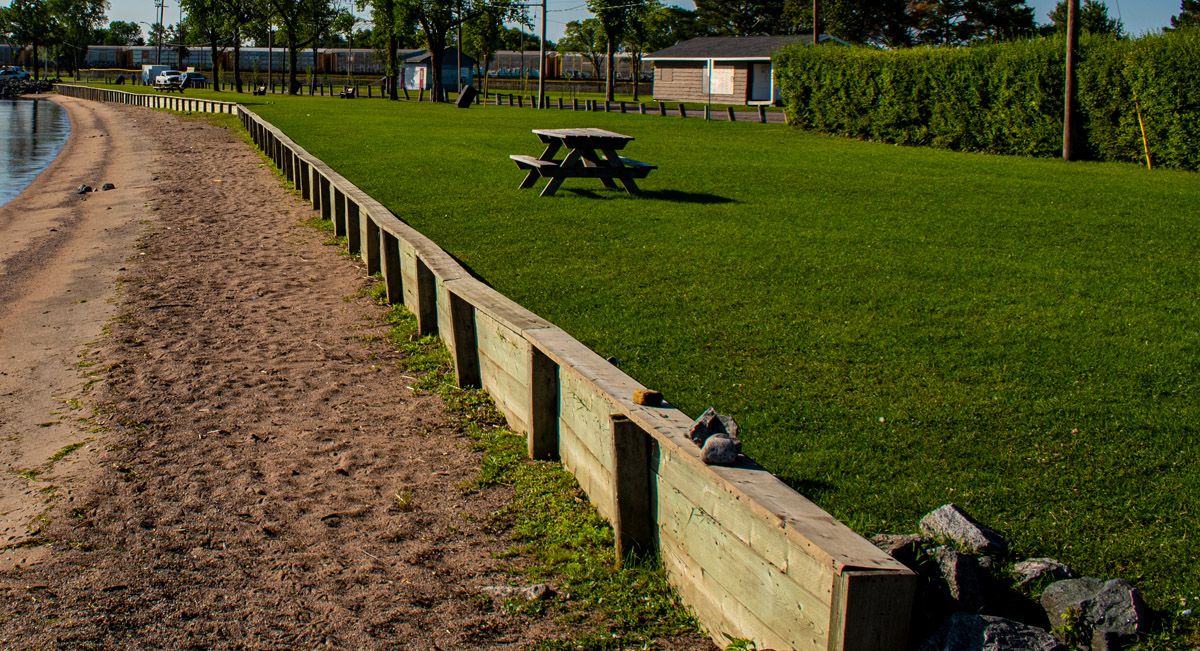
<point x="582" y="160"/>
<point x="349" y="92"/>
<point x="169" y="88"/>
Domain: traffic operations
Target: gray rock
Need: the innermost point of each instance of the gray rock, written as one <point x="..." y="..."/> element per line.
<point x="529" y="593"/>
<point x="950" y="524"/>
<point x="108" y="186"/>
<point x="710" y="423"/>
<point x="963" y="632"/>
<point x="84" y="189"/>
<point x="1113" y="607"/>
<point x="1034" y="569"/>
<point x="904" y="547"/>
<point x="963" y="577"/>
<point x="720" y="450"/>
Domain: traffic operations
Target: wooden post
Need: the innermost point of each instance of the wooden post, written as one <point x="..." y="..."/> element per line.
<point x="662" y="109"/>
<point x="732" y="116"/>
<point x="682" y="110"/>
<point x="466" y="348"/>
<point x="426" y="300"/>
<point x="340" y="227"/>
<point x="560" y="104"/>
<point x="642" y="108"/>
<point x="706" y="113"/>
<point x="314" y="181"/>
<point x="633" y="521"/>
<point x="369" y="242"/>
<point x="305" y="181"/>
<point x="1068" y="151"/>
<point x="393" y="277"/>
<point x="762" y="114"/>
<point x="622" y="106"/>
<point x="542" y="437"/>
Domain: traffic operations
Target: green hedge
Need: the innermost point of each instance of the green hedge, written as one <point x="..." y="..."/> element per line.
<point x="1007" y="97"/>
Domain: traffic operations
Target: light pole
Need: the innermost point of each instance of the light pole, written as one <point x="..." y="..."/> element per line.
<point x="160" y="5"/>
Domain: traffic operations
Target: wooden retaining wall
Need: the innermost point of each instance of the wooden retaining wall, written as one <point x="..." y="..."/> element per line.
<point x="753" y="558"/>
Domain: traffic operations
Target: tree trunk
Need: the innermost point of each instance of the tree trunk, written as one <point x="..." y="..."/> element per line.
<point x="392" y="67"/>
<point x="312" y="83"/>
<point x="609" y="75"/>
<point x="35" y="61"/>
<point x="237" y="59"/>
<point x="635" y="73"/>
<point x="292" y="59"/>
<point x="216" y="82"/>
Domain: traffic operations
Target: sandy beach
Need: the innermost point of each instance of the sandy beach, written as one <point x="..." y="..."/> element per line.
<point x="201" y="432"/>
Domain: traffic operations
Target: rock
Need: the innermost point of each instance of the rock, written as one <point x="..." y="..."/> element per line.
<point x="963" y="632"/>
<point x="84" y="189"/>
<point x="720" y="450"/>
<point x="711" y="423"/>
<point x="647" y="397"/>
<point x="1034" y="569"/>
<point x="963" y="577"/>
<point x="950" y="524"/>
<point x="905" y="547"/>
<point x="108" y="186"/>
<point x="703" y="427"/>
<point x="1105" y="607"/>
<point x="531" y="593"/>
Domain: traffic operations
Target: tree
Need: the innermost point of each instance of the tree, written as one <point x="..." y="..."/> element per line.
<point x="962" y="21"/>
<point x="75" y="20"/>
<point x="878" y="22"/>
<point x="29" y="23"/>
<point x="482" y="37"/>
<point x="614" y="17"/>
<point x="208" y="22"/>
<point x="587" y="38"/>
<point x="669" y="25"/>
<point x="437" y="17"/>
<point x="1093" y="17"/>
<point x="1189" y="15"/>
<point x="302" y="22"/>
<point x="243" y="16"/>
<point x="120" y="32"/>
<point x="744" y="17"/>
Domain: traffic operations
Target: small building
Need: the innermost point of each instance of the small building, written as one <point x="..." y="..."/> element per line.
<point x="415" y="71"/>
<point x="722" y="69"/>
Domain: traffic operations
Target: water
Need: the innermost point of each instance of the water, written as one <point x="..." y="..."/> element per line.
<point x="31" y="134"/>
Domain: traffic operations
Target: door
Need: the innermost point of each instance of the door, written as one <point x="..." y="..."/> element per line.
<point x="760" y="83"/>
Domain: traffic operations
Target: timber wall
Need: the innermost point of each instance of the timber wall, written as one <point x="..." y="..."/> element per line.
<point x="753" y="558"/>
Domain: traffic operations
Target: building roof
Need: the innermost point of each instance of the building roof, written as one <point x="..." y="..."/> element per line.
<point x="422" y="56"/>
<point x="732" y="47"/>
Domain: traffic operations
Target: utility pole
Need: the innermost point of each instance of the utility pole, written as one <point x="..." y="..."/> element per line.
<point x="1068" y="152"/>
<point x="542" y="58"/>
<point x="160" y="5"/>
<point x="814" y="22"/>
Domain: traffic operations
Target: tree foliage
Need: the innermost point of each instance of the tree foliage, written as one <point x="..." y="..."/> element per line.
<point x="1189" y="15"/>
<point x="1093" y="18"/>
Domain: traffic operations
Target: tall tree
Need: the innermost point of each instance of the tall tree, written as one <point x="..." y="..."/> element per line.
<point x="482" y="37"/>
<point x="744" y="17"/>
<point x="390" y="19"/>
<point x="938" y="22"/>
<point x="669" y="25"/>
<point x="208" y="22"/>
<point x="614" y="17"/>
<point x="75" y="21"/>
<point x="120" y="32"/>
<point x="1189" y="15"/>
<point x="297" y="17"/>
<point x="877" y="22"/>
<point x="437" y="17"/>
<point x="1093" y="17"/>
<point x="587" y="38"/>
<point x="243" y="17"/>
<point x="29" y="23"/>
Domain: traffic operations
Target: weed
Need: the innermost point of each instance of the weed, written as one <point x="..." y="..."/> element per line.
<point x="57" y="456"/>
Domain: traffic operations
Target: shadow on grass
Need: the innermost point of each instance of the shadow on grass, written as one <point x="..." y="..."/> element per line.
<point x="674" y="196"/>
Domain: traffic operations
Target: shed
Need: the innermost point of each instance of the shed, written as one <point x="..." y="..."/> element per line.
<point x="722" y="69"/>
<point x="415" y="72"/>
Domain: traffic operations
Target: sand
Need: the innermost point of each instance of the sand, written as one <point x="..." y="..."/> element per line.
<point x="244" y="428"/>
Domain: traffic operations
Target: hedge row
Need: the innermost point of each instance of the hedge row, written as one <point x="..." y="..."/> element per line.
<point x="1005" y="98"/>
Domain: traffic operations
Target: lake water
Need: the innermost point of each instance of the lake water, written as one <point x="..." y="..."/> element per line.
<point x="31" y="134"/>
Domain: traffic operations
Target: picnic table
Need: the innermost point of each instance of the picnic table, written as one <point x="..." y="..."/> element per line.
<point x="169" y="88"/>
<point x="582" y="160"/>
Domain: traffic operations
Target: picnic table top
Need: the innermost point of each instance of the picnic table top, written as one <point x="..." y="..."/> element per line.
<point x="588" y="135"/>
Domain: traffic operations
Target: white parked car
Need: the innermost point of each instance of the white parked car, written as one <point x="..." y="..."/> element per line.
<point x="14" y="73"/>
<point x="169" y="78"/>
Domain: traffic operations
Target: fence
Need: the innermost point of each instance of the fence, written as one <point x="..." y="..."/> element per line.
<point x="753" y="558"/>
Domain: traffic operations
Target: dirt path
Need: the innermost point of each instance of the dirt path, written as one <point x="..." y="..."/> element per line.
<point x="243" y="494"/>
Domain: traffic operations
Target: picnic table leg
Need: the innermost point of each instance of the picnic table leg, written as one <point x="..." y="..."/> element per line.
<point x="572" y="160"/>
<point x="614" y="160"/>
<point x="592" y="160"/>
<point x="531" y="178"/>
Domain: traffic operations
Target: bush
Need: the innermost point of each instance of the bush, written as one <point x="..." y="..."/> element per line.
<point x="1005" y="97"/>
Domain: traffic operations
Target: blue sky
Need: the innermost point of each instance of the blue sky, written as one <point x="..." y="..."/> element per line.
<point x="1140" y="16"/>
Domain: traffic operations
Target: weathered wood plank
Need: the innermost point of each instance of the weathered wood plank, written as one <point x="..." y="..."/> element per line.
<point x="633" y="521"/>
<point x="466" y="350"/>
<point x="593" y="477"/>
<point x="544" y="385"/>
<point x="393" y="276"/>
<point x="426" y="300"/>
<point x="865" y="614"/>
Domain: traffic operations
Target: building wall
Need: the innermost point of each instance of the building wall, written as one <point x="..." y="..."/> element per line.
<point x="686" y="81"/>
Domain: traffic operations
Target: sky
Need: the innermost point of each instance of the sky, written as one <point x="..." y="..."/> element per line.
<point x="1140" y="16"/>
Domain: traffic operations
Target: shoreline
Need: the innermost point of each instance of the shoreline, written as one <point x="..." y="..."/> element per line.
<point x="59" y="257"/>
<point x="46" y="164"/>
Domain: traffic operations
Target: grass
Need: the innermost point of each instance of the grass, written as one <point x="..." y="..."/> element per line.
<point x="894" y="328"/>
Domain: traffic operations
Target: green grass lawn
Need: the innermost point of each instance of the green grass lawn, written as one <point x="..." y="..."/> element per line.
<point x="894" y="328"/>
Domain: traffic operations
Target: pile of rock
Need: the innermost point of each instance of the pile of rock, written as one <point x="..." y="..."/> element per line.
<point x="716" y="435"/>
<point x="965" y="602"/>
<point x="12" y="88"/>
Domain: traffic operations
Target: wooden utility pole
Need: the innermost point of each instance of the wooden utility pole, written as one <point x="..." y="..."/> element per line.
<point x="814" y="22"/>
<point x="1069" y="101"/>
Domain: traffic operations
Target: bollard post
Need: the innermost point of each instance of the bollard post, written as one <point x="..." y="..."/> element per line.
<point x="682" y="110"/>
<point x="341" y="227"/>
<point x="393" y="277"/>
<point x="466" y="348"/>
<point x="662" y="109"/>
<point x="642" y="108"/>
<point x="426" y="300"/>
<point x="369" y="239"/>
<point x="732" y="117"/>
<point x="542" y="438"/>
<point x="762" y="114"/>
